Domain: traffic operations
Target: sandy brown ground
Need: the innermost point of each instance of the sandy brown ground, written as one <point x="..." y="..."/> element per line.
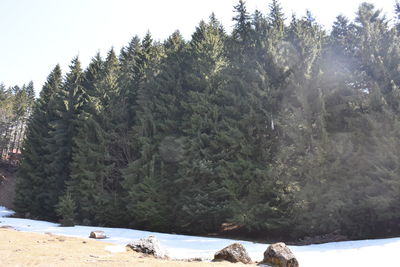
<point x="32" y="249"/>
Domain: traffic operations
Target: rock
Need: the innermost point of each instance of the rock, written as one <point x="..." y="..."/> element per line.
<point x="149" y="245"/>
<point x="97" y="235"/>
<point x="194" y="260"/>
<point x="233" y="253"/>
<point x="7" y="227"/>
<point x="279" y="255"/>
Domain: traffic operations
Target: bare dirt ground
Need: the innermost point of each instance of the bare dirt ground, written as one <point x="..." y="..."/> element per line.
<point x="32" y="249"/>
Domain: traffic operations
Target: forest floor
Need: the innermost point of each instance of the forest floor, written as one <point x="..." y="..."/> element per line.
<point x="33" y="249"/>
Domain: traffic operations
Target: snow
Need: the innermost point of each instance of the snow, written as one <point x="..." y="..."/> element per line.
<point x="366" y="253"/>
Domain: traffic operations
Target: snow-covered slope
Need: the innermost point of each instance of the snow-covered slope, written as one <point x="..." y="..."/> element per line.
<point x="366" y="253"/>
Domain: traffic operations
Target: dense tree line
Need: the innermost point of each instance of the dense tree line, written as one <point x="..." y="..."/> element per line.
<point x="15" y="108"/>
<point x="280" y="128"/>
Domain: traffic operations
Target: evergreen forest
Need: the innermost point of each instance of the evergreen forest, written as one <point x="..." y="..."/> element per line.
<point x="16" y="105"/>
<point x="279" y="127"/>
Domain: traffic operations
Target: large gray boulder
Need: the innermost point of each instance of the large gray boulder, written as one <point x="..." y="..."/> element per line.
<point x="233" y="253"/>
<point x="279" y="255"/>
<point x="149" y="245"/>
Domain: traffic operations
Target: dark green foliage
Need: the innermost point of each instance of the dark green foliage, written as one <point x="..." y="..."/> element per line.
<point x="92" y="183"/>
<point x="278" y="128"/>
<point x="68" y="106"/>
<point x="203" y="208"/>
<point x="31" y="193"/>
<point x="144" y="178"/>
<point x="66" y="210"/>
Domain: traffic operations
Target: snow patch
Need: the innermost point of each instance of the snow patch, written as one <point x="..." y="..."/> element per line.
<point x="366" y="253"/>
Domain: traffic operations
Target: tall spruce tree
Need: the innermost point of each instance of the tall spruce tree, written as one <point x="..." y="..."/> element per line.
<point x="204" y="205"/>
<point x="68" y="104"/>
<point x="92" y="182"/>
<point x="139" y="178"/>
<point x="31" y="194"/>
<point x="161" y="146"/>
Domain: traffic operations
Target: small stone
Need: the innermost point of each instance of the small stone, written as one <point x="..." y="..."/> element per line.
<point x="97" y="235"/>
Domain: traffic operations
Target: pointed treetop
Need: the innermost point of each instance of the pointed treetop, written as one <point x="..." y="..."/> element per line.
<point x="131" y="49"/>
<point x="111" y="57"/>
<point x="75" y="63"/>
<point x="30" y="91"/>
<point x="147" y="40"/>
<point x="340" y="27"/>
<point x="202" y="32"/>
<point x="174" y="42"/>
<point x="52" y="84"/>
<point x="75" y="71"/>
<point x="97" y="57"/>
<point x="276" y="16"/>
<point x="368" y="14"/>
<point x="215" y="23"/>
<point x="242" y="27"/>
<point x="93" y="72"/>
<point x="199" y="32"/>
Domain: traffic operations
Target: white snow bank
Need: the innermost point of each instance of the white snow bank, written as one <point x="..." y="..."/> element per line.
<point x="366" y="253"/>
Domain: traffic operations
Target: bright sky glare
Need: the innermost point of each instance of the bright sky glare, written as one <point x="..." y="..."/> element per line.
<point x="38" y="34"/>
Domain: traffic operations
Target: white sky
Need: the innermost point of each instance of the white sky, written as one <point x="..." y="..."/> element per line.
<point x="35" y="35"/>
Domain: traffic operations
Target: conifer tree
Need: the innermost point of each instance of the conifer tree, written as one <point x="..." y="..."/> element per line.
<point x="240" y="41"/>
<point x="93" y="183"/>
<point x="32" y="195"/>
<point x="66" y="210"/>
<point x="204" y="206"/>
<point x="69" y="102"/>
<point x="161" y="146"/>
<point x="139" y="173"/>
<point x="86" y="183"/>
<point x="242" y="26"/>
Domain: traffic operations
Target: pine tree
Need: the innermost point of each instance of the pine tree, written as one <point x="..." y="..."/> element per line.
<point x="68" y="104"/>
<point x="242" y="26"/>
<point x="31" y="194"/>
<point x="66" y="210"/>
<point x="93" y="183"/>
<point x="86" y="183"/>
<point x="138" y="176"/>
<point x="161" y="147"/>
<point x="203" y="206"/>
<point x="276" y="17"/>
<point x="240" y="41"/>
